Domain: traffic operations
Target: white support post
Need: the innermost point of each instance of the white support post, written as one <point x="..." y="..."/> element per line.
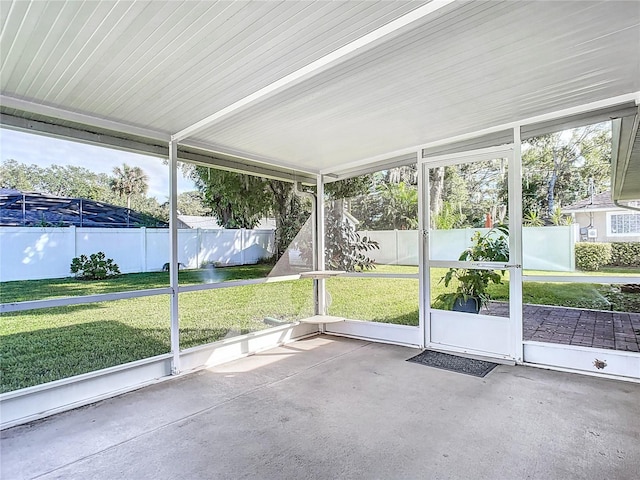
<point x="423" y="251"/>
<point x="515" y="246"/>
<point x="173" y="255"/>
<point x="320" y="285"/>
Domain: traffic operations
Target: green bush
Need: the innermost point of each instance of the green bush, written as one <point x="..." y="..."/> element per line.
<point x="625" y="254"/>
<point x="94" y="267"/>
<point x="591" y="256"/>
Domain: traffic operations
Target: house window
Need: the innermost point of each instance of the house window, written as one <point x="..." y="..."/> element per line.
<point x="619" y="224"/>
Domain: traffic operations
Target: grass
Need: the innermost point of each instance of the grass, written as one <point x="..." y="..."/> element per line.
<point x="48" y="344"/>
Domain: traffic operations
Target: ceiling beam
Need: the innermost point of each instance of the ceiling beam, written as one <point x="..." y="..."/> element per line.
<point x="343" y="53"/>
<point x="80" y="118"/>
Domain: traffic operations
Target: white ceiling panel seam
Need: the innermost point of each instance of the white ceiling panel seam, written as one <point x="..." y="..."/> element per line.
<point x="347" y="51"/>
<point x="461" y="63"/>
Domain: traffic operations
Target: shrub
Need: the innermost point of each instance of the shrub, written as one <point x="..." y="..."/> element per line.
<point x="94" y="267"/>
<point x="590" y="256"/>
<point x="625" y="254"/>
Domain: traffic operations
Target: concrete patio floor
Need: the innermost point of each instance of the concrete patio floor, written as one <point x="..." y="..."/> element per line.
<point x="329" y="407"/>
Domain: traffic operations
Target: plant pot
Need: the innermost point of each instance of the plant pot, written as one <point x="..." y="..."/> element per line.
<point x="470" y="305"/>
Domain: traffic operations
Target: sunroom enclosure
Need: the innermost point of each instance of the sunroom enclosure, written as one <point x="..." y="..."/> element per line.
<point x="495" y="333"/>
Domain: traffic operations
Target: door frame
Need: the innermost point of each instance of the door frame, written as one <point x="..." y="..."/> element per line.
<point x="514" y="345"/>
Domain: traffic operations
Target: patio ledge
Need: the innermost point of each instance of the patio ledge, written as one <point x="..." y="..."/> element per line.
<point x="316" y="274"/>
<point x="318" y="319"/>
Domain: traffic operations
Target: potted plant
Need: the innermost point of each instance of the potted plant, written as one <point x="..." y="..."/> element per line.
<point x="472" y="284"/>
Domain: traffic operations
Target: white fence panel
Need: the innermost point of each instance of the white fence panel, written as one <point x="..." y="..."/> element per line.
<point x="544" y="248"/>
<point x="549" y="248"/>
<point x="407" y="247"/>
<point x="257" y="244"/>
<point x="28" y="253"/>
<point x="387" y="240"/>
<point x="124" y="245"/>
<point x="35" y="252"/>
<point x="397" y="247"/>
<point x="188" y="248"/>
<point x="221" y="246"/>
<point x="157" y="249"/>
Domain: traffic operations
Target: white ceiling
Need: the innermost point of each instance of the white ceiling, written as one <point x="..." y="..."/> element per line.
<point x="468" y="66"/>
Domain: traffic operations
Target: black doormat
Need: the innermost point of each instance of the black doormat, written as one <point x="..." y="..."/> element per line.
<point x="469" y="366"/>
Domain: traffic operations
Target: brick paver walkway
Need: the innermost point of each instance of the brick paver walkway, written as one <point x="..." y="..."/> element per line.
<point x="573" y="326"/>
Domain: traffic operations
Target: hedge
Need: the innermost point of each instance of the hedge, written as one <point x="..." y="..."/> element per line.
<point x="625" y="254"/>
<point x="591" y="256"/>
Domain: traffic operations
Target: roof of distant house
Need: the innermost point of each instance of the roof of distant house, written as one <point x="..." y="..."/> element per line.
<point x="34" y="209"/>
<point x="599" y="202"/>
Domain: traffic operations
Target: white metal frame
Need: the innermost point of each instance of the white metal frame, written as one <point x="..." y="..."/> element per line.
<point x="512" y="337"/>
<point x="68" y="399"/>
<point x="376" y="331"/>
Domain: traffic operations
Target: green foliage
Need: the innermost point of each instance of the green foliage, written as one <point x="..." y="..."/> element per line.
<point x="625" y="254"/>
<point x="493" y="246"/>
<point x="400" y="205"/>
<point x="590" y="256"/>
<point x="236" y="200"/>
<point x="59" y="180"/>
<point x="449" y="217"/>
<point x="344" y="247"/>
<point x="558" y="167"/>
<point x="94" y="267"/>
<point x="387" y="204"/>
<point x="559" y="219"/>
<point x="532" y="219"/>
<point x="349" y="187"/>
<point x="129" y="181"/>
<point x="191" y="203"/>
<point x="240" y="201"/>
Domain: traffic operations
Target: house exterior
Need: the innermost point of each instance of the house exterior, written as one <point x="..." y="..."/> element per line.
<point x="600" y="220"/>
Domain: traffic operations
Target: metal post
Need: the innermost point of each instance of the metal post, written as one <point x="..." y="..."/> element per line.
<point x="173" y="255"/>
<point x="423" y="251"/>
<point x="320" y="287"/>
<point x="515" y="245"/>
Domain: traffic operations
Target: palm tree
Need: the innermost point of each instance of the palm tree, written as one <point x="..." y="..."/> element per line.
<point x="129" y="181"/>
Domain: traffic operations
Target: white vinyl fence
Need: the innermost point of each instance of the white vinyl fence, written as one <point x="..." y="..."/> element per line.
<point x="28" y="253"/>
<point x="544" y="248"/>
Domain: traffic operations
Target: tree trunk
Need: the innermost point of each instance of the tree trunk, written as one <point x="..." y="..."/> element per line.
<point x="436" y="179"/>
<point x="552" y="184"/>
<point x="282" y="193"/>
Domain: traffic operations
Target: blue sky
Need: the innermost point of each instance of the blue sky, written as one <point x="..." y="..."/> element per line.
<point x="46" y="151"/>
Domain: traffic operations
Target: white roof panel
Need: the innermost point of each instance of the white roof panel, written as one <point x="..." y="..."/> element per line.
<point x="163" y="66"/>
<point x="166" y="64"/>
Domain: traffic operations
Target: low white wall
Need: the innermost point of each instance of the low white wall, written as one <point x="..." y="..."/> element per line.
<point x="544" y="248"/>
<point x="28" y="253"/>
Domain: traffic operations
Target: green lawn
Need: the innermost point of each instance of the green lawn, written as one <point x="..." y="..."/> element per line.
<point x="42" y="345"/>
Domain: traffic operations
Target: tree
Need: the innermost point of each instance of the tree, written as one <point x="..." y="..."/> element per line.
<point x="559" y="168"/>
<point x="59" y="180"/>
<point x="240" y="201"/>
<point x="236" y="200"/>
<point x="192" y="203"/>
<point x="400" y="205"/>
<point x="129" y="181"/>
